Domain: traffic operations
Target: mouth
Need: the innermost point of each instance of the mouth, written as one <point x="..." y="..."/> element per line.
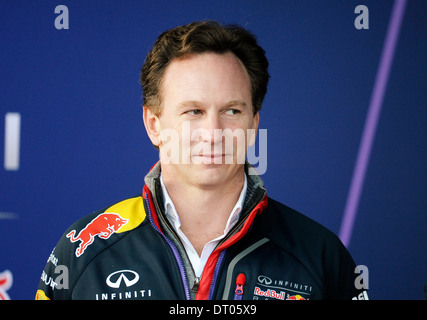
<point x="211" y="158"/>
<point x="211" y="155"/>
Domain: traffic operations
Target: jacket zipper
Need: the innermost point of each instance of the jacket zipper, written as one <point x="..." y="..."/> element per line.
<point x="195" y="287"/>
<point x="196" y="280"/>
<point x="240" y="282"/>
<point x="215" y="274"/>
<point x="174" y="250"/>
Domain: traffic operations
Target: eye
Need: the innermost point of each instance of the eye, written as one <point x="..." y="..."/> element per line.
<point x="232" y="111"/>
<point x="194" y="112"/>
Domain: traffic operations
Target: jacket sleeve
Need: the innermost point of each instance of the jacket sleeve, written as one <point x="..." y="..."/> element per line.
<point x="344" y="279"/>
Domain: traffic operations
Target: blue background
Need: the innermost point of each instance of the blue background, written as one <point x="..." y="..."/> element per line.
<point x="83" y="144"/>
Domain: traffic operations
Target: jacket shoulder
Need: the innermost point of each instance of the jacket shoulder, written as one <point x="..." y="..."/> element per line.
<point x="130" y="210"/>
<point x="85" y="239"/>
<point x="295" y="227"/>
<point x="106" y="224"/>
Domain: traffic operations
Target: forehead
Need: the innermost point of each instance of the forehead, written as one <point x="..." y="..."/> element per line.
<point x="207" y="76"/>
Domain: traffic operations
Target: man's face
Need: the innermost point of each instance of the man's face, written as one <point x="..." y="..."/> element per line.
<point x="206" y="99"/>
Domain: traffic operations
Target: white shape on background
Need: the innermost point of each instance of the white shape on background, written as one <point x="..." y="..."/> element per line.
<point x="12" y="139"/>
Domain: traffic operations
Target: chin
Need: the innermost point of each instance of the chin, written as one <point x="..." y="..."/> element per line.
<point x="212" y="174"/>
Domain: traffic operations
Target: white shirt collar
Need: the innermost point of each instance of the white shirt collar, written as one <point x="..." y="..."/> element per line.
<point x="173" y="217"/>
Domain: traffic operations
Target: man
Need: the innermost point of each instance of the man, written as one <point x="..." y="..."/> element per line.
<point x="203" y="227"/>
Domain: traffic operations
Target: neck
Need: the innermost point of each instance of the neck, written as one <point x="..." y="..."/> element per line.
<point x="203" y="211"/>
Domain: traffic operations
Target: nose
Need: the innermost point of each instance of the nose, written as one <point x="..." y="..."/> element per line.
<point x="211" y="124"/>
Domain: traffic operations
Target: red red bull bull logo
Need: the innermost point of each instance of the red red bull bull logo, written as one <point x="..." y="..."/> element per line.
<point x="6" y="281"/>
<point x="295" y="297"/>
<point x="103" y="226"/>
<point x="269" y="293"/>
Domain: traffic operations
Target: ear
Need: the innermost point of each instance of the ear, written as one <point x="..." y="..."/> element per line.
<point x="252" y="138"/>
<point x="152" y="125"/>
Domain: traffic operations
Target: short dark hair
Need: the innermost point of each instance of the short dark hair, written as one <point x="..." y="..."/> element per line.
<point x="204" y="37"/>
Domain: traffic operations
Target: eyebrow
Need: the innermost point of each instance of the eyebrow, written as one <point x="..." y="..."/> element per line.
<point x="188" y="103"/>
<point x="236" y="102"/>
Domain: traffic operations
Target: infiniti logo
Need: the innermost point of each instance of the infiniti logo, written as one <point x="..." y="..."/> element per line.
<point x="128" y="276"/>
<point x="264" y="279"/>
